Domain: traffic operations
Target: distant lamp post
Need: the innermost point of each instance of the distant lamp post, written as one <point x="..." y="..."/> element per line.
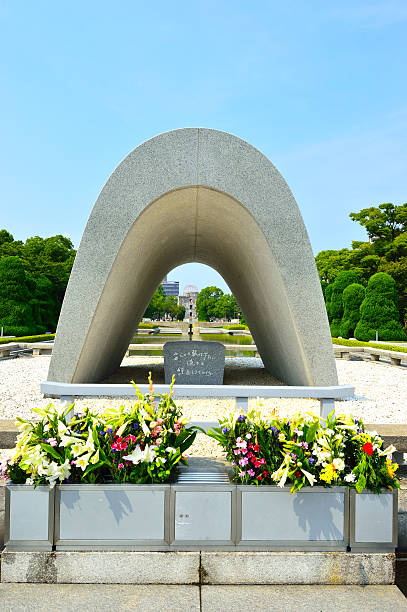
<point x="191" y="331"/>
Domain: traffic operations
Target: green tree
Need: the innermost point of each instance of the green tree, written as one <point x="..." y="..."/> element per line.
<point x="352" y="297"/>
<point x="16" y="314"/>
<point x="180" y="313"/>
<point x="345" y="278"/>
<point x="207" y="303"/>
<point x="379" y="311"/>
<point x="5" y="237"/>
<point x="171" y="306"/>
<point x="227" y="308"/>
<point x="385" y="221"/>
<point x="156" y="307"/>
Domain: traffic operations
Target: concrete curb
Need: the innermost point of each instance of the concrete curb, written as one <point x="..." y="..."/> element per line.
<point x="233" y="568"/>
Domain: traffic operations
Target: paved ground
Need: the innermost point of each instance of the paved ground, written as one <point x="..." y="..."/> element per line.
<point x="98" y="598"/>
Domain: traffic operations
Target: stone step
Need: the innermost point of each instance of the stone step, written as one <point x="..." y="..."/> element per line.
<point x="103" y="567"/>
<point x="176" y="598"/>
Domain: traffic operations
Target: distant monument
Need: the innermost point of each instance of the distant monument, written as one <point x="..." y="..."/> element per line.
<point x="195" y="194"/>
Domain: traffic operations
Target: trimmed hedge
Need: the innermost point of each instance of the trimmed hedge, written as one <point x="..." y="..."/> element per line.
<point x="237" y="326"/>
<point x="386" y="347"/>
<point x="28" y="339"/>
<point x="379" y="311"/>
<point x="147" y="325"/>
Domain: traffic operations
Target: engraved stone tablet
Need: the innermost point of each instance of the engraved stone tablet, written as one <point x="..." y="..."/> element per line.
<point x="194" y="363"/>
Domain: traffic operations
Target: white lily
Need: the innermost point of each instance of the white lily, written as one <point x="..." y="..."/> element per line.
<point x="67" y="440"/>
<point x="90" y="445"/>
<point x="388" y="451"/>
<point x="283" y="478"/>
<point x="136" y="456"/>
<point x="311" y="479"/>
<point x="145" y="429"/>
<point x="62" y="428"/>
<point x="122" y="428"/>
<point x="64" y="470"/>
<point x="77" y="449"/>
<point x="170" y="449"/>
<point x="95" y="458"/>
<point x="149" y="454"/>
<point x="83" y="461"/>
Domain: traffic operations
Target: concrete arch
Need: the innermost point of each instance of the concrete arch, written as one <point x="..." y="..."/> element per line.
<point x="195" y="195"/>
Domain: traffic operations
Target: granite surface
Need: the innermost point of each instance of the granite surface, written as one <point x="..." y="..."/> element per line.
<point x="202" y="195"/>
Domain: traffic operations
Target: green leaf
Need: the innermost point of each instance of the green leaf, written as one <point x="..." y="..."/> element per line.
<point x="312" y="430"/>
<point x="51" y="450"/>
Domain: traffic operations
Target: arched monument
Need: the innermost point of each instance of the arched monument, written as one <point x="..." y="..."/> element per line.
<point x="195" y="195"/>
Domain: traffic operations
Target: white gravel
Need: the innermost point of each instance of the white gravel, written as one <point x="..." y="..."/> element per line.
<point x="381" y="393"/>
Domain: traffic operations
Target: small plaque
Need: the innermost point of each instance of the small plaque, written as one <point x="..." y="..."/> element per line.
<point x="194" y="363"/>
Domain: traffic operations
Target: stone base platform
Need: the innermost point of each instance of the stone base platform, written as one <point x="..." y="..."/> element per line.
<point x="221" y="568"/>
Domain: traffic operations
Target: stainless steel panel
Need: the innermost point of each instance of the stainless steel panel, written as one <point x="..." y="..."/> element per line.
<point x="203" y="515"/>
<point x="373" y="517"/>
<point x="29" y="513"/>
<point x="111" y="513"/>
<point x="276" y="515"/>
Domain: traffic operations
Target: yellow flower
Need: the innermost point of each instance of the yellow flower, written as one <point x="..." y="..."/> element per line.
<point x="391" y="467"/>
<point x="329" y="473"/>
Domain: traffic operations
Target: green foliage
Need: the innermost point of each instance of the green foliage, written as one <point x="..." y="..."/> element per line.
<point x="156" y="307"/>
<point x="141" y="443"/>
<point x="147" y="326"/>
<point x="212" y="304"/>
<point x="302" y="451"/>
<point x="344" y="278"/>
<point x="386" y="251"/>
<point x="46" y="263"/>
<point x="180" y="316"/>
<point x="386" y="347"/>
<point x="20" y="338"/>
<point x="15" y="308"/>
<point x="379" y="311"/>
<point x="161" y="305"/>
<point x="236" y="326"/>
<point x="352" y="297"/>
<point x="207" y="303"/>
<point x="385" y="221"/>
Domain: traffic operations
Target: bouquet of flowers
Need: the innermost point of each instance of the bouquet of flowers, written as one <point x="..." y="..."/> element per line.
<point x="139" y="444"/>
<point x="305" y="450"/>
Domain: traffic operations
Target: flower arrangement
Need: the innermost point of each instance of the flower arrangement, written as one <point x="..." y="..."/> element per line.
<point x="139" y="444"/>
<point x="304" y="451"/>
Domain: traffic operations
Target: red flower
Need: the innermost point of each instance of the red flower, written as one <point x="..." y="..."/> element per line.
<point x="250" y="445"/>
<point x="119" y="439"/>
<point x="256" y="448"/>
<point x="265" y="473"/>
<point x="262" y="461"/>
<point x="298" y="474"/>
<point x="368" y="448"/>
<point x="257" y="464"/>
<point x="250" y="455"/>
<point x="259" y="477"/>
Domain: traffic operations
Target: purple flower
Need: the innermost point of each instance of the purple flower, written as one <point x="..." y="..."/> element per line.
<point x="241" y="418"/>
<point x="225" y="430"/>
<point x="136" y="426"/>
<point x="311" y="460"/>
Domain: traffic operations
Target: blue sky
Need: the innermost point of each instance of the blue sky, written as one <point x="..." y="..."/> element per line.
<point x="319" y="87"/>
